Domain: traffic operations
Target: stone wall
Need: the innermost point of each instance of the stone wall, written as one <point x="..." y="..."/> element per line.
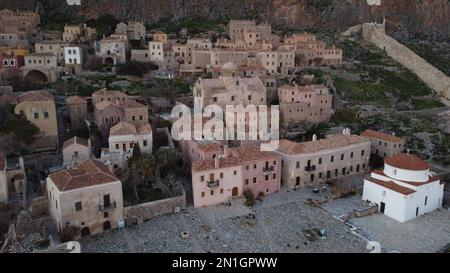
<point x="430" y="75"/>
<point x="446" y="199"/>
<point x="146" y="211"/>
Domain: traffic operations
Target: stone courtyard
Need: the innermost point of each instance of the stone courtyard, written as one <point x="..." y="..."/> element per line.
<point x="278" y="224"/>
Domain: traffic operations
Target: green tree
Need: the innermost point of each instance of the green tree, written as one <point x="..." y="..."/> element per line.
<point x="168" y="161"/>
<point x="146" y="166"/>
<point x="133" y="161"/>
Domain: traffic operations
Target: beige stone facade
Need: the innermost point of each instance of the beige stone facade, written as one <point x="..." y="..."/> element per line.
<point x="52" y="47"/>
<point x="311" y="103"/>
<point x="230" y="89"/>
<point x="318" y="161"/>
<point x="113" y="49"/>
<point x="112" y="107"/>
<point x="77" y="107"/>
<point x="18" y="21"/>
<point x="160" y="37"/>
<point x="385" y="145"/>
<point x="133" y="30"/>
<point x="41" y="67"/>
<point x="87" y="197"/>
<point x="76" y="150"/>
<point x="39" y="108"/>
<point x="75" y="33"/>
<point x="311" y="51"/>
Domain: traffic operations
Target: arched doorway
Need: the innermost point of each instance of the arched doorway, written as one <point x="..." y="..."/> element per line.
<point x="36" y="76"/>
<point x="235" y="191"/>
<point x="85" y="232"/>
<point x="109" y="61"/>
<point x="106" y="225"/>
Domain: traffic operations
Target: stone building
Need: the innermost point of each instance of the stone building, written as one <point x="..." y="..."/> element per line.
<point x="41" y="68"/>
<point x="13" y="181"/>
<point x="87" y="198"/>
<point x="106" y="95"/>
<point x="76" y="33"/>
<point x="160" y="36"/>
<point x="73" y="59"/>
<point x="133" y="30"/>
<point x="311" y="103"/>
<point x="124" y="136"/>
<point x="238" y="29"/>
<point x="76" y="150"/>
<point x="218" y="180"/>
<point x="39" y="108"/>
<point x="385" y="145"/>
<point x="77" y="107"/>
<point x="311" y="51"/>
<point x="230" y="89"/>
<point x="405" y="189"/>
<point x="113" y="107"/>
<point x="317" y="161"/>
<point x="113" y="49"/>
<point x="18" y="39"/>
<point x="18" y="21"/>
<point x="52" y="47"/>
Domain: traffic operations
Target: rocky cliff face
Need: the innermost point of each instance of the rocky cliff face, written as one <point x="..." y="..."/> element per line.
<point x="429" y="18"/>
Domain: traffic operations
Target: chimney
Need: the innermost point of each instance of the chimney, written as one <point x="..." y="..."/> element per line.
<point x="314" y="138"/>
<point x="217" y="162"/>
<point x="408" y="151"/>
<point x="393" y="133"/>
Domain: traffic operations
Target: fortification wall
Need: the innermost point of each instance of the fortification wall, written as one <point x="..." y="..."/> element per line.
<point x="430" y="75"/>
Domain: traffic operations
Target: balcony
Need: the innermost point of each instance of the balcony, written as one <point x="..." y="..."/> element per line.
<point x="310" y="168"/>
<point x="111" y="206"/>
<point x="213" y="184"/>
<point x="269" y="170"/>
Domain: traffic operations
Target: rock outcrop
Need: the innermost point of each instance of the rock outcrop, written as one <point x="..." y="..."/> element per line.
<point x="427" y="18"/>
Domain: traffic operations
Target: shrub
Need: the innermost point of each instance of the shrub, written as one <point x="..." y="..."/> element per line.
<point x="135" y="68"/>
<point x="249" y="198"/>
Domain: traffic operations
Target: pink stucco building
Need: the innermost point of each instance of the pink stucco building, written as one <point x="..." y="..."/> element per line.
<point x="215" y="181"/>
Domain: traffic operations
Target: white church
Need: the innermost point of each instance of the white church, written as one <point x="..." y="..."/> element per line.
<point x="404" y="189"/>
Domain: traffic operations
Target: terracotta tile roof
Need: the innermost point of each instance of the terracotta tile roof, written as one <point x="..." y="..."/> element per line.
<point x="87" y="174"/>
<point x="391" y="185"/>
<point x="204" y="165"/>
<point x="105" y="104"/>
<point x="144" y="129"/>
<point x="431" y="179"/>
<point x="123" y="128"/>
<point x="128" y="103"/>
<point x="36" y="96"/>
<point x="2" y="160"/>
<point x="7" y="98"/>
<point x="236" y="157"/>
<point x="408" y="162"/>
<point x="381" y="136"/>
<point x="77" y="140"/>
<point x="210" y="147"/>
<point x="332" y="142"/>
<point x="76" y="100"/>
<point x="103" y="92"/>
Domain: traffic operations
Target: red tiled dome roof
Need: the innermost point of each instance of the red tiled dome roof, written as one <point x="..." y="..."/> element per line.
<point x="408" y="162"/>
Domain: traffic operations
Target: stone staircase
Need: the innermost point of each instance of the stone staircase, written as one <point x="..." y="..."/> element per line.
<point x="430" y="75"/>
